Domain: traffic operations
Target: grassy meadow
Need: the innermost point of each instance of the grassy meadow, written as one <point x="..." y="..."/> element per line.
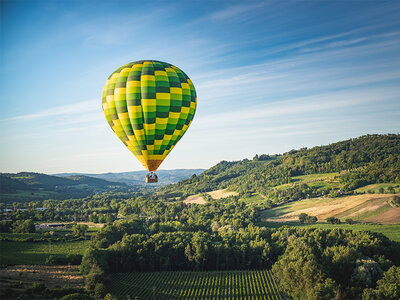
<point x="36" y="253"/>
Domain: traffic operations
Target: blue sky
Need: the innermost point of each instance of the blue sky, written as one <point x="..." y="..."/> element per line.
<point x="271" y="76"/>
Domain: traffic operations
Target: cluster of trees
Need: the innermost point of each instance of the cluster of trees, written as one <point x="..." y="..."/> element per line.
<point x="337" y="264"/>
<point x="309" y="263"/>
<point x="304" y="218"/>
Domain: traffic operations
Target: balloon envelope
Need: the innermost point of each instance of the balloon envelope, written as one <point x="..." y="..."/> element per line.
<point x="149" y="105"/>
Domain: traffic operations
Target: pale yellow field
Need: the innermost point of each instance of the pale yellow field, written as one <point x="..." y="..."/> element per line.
<point x="218" y="194"/>
<point x="364" y="208"/>
<point x="196" y="199"/>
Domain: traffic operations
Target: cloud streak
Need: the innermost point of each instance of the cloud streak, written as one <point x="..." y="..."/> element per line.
<point x="65" y="110"/>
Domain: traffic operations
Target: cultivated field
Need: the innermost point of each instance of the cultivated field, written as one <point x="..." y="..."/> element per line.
<point x="23" y="253"/>
<point x="218" y="194"/>
<point x="195" y="199"/>
<point x="362" y="208"/>
<point x="195" y="285"/>
<point x="51" y="276"/>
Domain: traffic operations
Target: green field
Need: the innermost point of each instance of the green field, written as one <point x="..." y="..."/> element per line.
<point x="325" y="180"/>
<point x="252" y="198"/>
<point x="375" y="187"/>
<point x="391" y="231"/>
<point x="28" y="196"/>
<point x="313" y="177"/>
<point x="35" y="253"/>
<point x="195" y="285"/>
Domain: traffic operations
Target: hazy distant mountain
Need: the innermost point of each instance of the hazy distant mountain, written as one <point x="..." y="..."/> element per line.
<point x="138" y="177"/>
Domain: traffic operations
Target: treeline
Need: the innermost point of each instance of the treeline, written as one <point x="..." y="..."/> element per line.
<point x="99" y="208"/>
<point x="361" y="161"/>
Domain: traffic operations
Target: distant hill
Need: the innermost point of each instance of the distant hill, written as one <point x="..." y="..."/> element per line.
<point x="30" y="186"/>
<point x="280" y="178"/>
<point x="25" y="186"/>
<point x="137" y="177"/>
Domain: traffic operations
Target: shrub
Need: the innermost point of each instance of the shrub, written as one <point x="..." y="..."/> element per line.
<point x="333" y="220"/>
<point x="100" y="290"/>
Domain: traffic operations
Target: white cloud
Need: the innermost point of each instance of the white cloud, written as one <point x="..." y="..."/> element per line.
<point x="76" y="108"/>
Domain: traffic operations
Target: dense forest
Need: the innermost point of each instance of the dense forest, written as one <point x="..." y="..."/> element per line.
<point x="224" y="235"/>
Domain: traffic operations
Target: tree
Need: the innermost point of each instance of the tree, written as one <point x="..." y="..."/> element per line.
<point x="311" y="219"/>
<point x="366" y="273"/>
<point x="387" y="288"/>
<point x="391" y="190"/>
<point x="100" y="290"/>
<point x="333" y="220"/>
<point x="79" y="230"/>
<point x="27" y="226"/>
<point x="302" y="217"/>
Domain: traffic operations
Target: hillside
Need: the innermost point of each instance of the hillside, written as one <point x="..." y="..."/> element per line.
<point x="367" y="208"/>
<point x="29" y="186"/>
<point x="25" y="186"/>
<point x="333" y="170"/>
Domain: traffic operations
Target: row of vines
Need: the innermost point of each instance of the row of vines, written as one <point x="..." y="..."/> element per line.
<point x="195" y="285"/>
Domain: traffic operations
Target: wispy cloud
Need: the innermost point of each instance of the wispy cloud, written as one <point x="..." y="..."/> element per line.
<point x="235" y="10"/>
<point x="322" y="103"/>
<point x="76" y="108"/>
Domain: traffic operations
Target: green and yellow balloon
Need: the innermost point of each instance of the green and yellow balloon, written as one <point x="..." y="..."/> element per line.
<point x="149" y="105"/>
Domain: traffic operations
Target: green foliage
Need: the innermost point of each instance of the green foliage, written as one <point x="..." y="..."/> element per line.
<point x="77" y="296"/>
<point x="21" y="226"/>
<point x="333" y="220"/>
<point x="100" y="291"/>
<point x="324" y="264"/>
<point x="50" y="261"/>
<point x="79" y="230"/>
<point x="395" y="201"/>
<point x="304" y="218"/>
<point x="5" y="226"/>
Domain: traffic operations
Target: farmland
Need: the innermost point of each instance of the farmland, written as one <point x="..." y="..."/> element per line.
<point x="195" y="285"/>
<point x="12" y="253"/>
<point x="360" y="208"/>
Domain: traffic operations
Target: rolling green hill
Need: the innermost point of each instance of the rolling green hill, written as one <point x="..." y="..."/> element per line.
<point x="27" y="186"/>
<point x="336" y="169"/>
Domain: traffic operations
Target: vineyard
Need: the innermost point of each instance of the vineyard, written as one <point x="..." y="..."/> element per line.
<point x="195" y="285"/>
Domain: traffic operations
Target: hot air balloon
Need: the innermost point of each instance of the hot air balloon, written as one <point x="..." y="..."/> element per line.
<point x="149" y="105"/>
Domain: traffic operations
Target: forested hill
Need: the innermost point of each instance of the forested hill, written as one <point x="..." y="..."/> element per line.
<point x="352" y="164"/>
<point x="28" y="186"/>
